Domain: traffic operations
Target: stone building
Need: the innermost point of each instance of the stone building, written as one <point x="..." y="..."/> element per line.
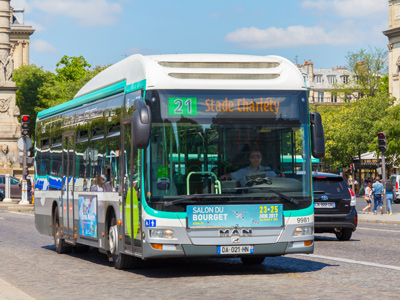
<point x="14" y="52"/>
<point x="19" y="38"/>
<point x="393" y="34"/>
<point x="323" y="83"/>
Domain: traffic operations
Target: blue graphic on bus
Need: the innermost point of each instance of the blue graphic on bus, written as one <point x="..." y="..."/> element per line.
<point x="150" y="223"/>
<point x="268" y="215"/>
<point x="88" y="216"/>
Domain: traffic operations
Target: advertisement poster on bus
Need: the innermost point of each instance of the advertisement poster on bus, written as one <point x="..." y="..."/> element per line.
<point x="270" y="215"/>
<point x="88" y="216"/>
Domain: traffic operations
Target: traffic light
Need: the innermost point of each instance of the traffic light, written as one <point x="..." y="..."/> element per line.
<point x="382" y="141"/>
<point x="25" y="125"/>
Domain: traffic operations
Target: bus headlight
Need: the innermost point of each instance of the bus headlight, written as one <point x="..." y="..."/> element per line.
<point x="162" y="233"/>
<point x="300" y="231"/>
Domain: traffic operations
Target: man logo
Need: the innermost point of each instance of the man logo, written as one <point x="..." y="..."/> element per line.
<point x="235" y="232"/>
<point x="324" y="197"/>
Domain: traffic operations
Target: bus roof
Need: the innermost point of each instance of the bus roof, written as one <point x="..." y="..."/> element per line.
<point x="188" y="71"/>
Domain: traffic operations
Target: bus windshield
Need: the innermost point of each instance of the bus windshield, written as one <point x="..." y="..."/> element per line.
<point x="228" y="144"/>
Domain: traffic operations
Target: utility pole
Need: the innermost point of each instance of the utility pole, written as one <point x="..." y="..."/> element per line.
<point x="382" y="148"/>
<point x="24" y="143"/>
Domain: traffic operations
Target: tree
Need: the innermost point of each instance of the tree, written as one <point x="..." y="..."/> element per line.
<point x="369" y="66"/>
<point x="72" y="68"/>
<point x="29" y="80"/>
<point x="351" y="129"/>
<point x="39" y="89"/>
<point x="61" y="89"/>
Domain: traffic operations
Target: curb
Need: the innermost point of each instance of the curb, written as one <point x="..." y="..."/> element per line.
<point x="369" y="220"/>
<point x="14" y="206"/>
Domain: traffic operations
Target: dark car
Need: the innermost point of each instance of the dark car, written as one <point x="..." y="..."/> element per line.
<point x="15" y="190"/>
<point x="2" y="195"/>
<point x="334" y="206"/>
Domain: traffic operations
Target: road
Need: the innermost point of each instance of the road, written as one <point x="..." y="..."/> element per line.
<point x="366" y="267"/>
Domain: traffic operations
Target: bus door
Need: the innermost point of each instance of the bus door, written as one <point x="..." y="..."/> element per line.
<point x="68" y="158"/>
<point x="131" y="195"/>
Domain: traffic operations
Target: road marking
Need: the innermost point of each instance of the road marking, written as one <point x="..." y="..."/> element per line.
<point x="373" y="229"/>
<point x="351" y="261"/>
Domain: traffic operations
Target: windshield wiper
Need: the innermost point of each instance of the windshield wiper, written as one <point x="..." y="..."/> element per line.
<point x="286" y="197"/>
<point x="191" y="197"/>
<point x="319" y="192"/>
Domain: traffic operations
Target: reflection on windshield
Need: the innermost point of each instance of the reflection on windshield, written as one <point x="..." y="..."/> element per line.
<point x="220" y="156"/>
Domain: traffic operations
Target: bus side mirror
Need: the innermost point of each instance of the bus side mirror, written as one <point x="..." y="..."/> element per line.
<point x="317" y="136"/>
<point x="141" y="124"/>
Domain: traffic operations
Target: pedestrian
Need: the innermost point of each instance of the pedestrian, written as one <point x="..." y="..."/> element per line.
<point x="368" y="197"/>
<point x="356" y="186"/>
<point x="388" y="191"/>
<point x="377" y="189"/>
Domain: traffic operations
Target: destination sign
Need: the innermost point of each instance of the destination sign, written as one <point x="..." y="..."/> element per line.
<point x="189" y="106"/>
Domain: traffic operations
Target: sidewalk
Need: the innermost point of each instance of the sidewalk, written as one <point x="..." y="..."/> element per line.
<point x="8" y="291"/>
<point x="394" y="218"/>
<point x="14" y="206"/>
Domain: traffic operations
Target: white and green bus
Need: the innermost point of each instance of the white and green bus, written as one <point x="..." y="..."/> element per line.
<point x="132" y="164"/>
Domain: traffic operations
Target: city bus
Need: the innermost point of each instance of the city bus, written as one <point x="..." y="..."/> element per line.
<point x="133" y="164"/>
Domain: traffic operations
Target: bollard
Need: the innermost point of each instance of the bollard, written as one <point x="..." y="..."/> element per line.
<point x="7" y="197"/>
<point x="24" y="200"/>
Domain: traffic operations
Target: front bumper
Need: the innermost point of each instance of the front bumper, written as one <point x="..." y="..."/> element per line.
<point x="211" y="251"/>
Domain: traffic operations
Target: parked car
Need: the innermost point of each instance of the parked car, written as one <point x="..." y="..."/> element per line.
<point x="2" y="195"/>
<point x="15" y="190"/>
<point x="395" y="180"/>
<point x="334" y="206"/>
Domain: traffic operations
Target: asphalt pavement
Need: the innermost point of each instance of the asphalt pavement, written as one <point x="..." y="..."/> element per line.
<point x="10" y="292"/>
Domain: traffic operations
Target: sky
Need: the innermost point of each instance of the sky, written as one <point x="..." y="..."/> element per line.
<point x="106" y="31"/>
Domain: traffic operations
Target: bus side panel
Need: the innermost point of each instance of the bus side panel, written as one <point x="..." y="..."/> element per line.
<point x="43" y="215"/>
<point x="103" y="202"/>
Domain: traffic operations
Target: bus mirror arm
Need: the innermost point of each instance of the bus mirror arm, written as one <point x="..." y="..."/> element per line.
<point x="317" y="135"/>
<point x="141" y="124"/>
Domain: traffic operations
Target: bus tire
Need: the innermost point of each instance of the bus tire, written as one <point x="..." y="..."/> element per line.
<point x="120" y="260"/>
<point x="344" y="234"/>
<point x="252" y="260"/>
<point x="59" y="242"/>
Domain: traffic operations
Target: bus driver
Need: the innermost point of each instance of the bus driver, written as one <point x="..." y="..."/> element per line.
<point x="255" y="166"/>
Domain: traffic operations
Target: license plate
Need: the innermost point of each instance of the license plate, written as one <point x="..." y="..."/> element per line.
<point x="235" y="249"/>
<point x="324" y="204"/>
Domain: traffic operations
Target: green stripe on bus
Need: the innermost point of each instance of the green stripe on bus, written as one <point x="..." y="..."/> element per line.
<point x="182" y="215"/>
<point x="102" y="93"/>
<point x="135" y="86"/>
<point x="300" y="212"/>
<point x="163" y="214"/>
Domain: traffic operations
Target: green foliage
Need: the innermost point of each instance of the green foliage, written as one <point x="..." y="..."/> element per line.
<point x="71" y="68"/>
<point x="29" y="80"/>
<point x="39" y="89"/>
<point x="352" y="128"/>
<point x="369" y="66"/>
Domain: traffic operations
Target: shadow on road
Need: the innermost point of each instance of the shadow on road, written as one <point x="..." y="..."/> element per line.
<point x="199" y="267"/>
<point x="332" y="239"/>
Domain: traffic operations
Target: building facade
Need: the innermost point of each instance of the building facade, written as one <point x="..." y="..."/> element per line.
<point x="324" y="84"/>
<point x="19" y="38"/>
<point x="393" y="34"/>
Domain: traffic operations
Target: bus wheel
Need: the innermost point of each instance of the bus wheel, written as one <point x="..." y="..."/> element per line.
<point x="121" y="261"/>
<point x="59" y="242"/>
<point x="252" y="260"/>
